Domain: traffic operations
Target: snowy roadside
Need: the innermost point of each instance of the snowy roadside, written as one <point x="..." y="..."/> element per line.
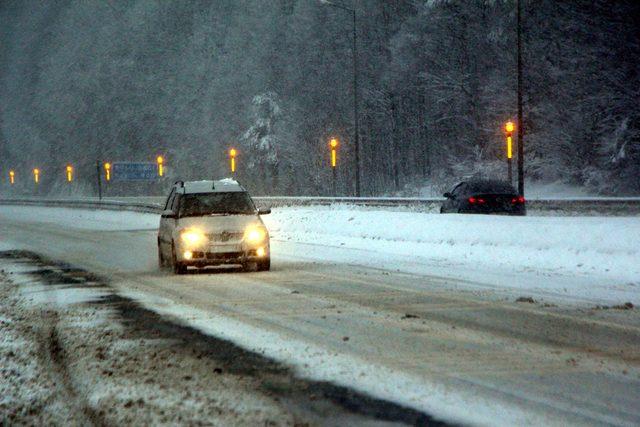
<point x="585" y="258"/>
<point x="28" y="390"/>
<point x="67" y="360"/>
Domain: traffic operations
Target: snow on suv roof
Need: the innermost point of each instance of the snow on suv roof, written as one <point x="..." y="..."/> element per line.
<point x="223" y="185"/>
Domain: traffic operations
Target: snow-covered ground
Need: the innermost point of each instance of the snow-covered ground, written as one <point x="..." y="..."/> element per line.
<point x="583" y="260"/>
<point x="583" y="257"/>
<point x="68" y="359"/>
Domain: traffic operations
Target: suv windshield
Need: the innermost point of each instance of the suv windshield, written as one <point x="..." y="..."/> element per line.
<point x="216" y="203"/>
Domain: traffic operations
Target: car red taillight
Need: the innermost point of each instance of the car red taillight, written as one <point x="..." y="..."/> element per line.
<point x="518" y="200"/>
<point x="472" y="200"/>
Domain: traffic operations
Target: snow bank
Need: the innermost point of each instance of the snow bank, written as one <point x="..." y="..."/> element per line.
<point x="604" y="251"/>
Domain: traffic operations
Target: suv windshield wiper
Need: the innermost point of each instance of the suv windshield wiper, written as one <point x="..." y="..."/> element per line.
<point x="186" y="215"/>
<point x="232" y="213"/>
<point x="240" y="213"/>
<point x="216" y="213"/>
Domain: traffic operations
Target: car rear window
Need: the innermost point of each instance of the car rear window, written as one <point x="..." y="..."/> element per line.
<point x="491" y="187"/>
<point x="216" y="203"/>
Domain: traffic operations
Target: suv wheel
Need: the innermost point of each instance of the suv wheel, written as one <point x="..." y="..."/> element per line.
<point x="161" y="261"/>
<point x="249" y="266"/>
<point x="178" y="267"/>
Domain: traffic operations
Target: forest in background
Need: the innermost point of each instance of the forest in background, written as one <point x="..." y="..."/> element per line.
<point x="128" y="80"/>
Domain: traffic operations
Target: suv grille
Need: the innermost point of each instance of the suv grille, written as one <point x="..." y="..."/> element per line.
<point x="224" y="255"/>
<point x="225" y="236"/>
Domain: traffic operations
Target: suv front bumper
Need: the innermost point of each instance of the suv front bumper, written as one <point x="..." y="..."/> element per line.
<point x="200" y="258"/>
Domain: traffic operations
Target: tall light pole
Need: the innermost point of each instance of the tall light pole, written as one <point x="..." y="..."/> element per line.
<point x="355" y="91"/>
<point x="99" y="178"/>
<point x="520" y="125"/>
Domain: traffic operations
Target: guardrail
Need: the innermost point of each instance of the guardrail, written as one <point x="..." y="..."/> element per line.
<point x="86" y="204"/>
<point x="422" y="204"/>
<point x="551" y="206"/>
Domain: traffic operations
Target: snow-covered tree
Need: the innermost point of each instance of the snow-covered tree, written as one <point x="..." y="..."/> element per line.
<point x="263" y="141"/>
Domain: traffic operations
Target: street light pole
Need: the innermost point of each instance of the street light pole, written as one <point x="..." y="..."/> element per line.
<point x="356" y="129"/>
<point x="99" y="179"/>
<point x="355" y="105"/>
<point x="509" y="166"/>
<point x="520" y="124"/>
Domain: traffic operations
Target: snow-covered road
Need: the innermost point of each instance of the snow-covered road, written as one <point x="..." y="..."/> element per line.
<point x="573" y="260"/>
<point x="414" y="308"/>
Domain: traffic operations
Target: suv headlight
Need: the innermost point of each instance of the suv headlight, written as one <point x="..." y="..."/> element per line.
<point x="255" y="234"/>
<point x="192" y="237"/>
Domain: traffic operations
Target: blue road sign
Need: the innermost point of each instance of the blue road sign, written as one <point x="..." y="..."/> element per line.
<point x="129" y="171"/>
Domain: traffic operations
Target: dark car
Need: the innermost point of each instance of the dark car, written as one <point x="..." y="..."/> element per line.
<point x="484" y="196"/>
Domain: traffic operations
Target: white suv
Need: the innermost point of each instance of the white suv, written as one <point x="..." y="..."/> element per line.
<point x="212" y="223"/>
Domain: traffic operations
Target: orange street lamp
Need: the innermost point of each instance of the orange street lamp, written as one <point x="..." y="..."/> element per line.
<point x="509" y="127"/>
<point x="232" y="158"/>
<point x="333" y="145"/>
<point x="107" y="171"/>
<point x="36" y="175"/>
<point x="12" y="177"/>
<point x="69" y="173"/>
<point x="160" y="162"/>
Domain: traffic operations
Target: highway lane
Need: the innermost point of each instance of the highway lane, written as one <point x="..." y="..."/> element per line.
<point x="523" y="362"/>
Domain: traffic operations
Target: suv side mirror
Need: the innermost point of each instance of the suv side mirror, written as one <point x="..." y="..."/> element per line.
<point x="264" y="211"/>
<point x="448" y="195"/>
<point x="168" y="214"/>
